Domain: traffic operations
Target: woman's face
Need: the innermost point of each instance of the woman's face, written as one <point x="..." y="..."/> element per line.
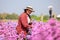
<point x="29" y="11"/>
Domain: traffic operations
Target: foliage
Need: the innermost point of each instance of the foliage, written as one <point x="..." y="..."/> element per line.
<point x="8" y="16"/>
<point x="15" y="16"/>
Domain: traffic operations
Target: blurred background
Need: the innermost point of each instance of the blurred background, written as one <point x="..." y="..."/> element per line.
<point x="11" y="9"/>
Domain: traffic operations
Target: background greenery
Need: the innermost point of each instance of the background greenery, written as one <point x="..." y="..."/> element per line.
<point x="14" y="16"/>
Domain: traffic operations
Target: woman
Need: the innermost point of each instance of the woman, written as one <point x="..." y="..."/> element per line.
<point x="24" y="22"/>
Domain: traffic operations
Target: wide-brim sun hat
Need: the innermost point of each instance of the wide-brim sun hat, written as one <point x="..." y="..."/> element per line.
<point x="30" y="8"/>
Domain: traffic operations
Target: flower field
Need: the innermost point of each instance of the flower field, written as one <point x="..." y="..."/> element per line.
<point x="49" y="30"/>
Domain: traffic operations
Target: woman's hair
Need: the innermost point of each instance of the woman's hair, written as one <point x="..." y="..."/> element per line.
<point x="25" y="10"/>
